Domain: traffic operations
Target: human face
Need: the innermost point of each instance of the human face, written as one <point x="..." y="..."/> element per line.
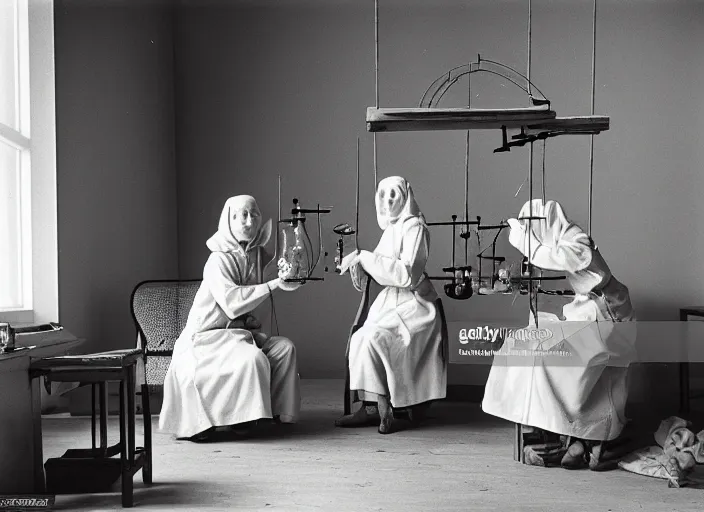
<point x="245" y="222"/>
<point x="390" y="200"/>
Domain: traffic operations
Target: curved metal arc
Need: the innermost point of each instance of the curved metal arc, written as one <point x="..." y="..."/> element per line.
<point x="440" y="79"/>
<point x="440" y="85"/>
<point x="531" y="85"/>
<point x="446" y="86"/>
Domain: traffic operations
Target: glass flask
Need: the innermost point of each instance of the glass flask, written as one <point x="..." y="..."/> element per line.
<point x="295" y="250"/>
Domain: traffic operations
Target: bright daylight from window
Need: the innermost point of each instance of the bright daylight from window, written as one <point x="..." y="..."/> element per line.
<point x="15" y="228"/>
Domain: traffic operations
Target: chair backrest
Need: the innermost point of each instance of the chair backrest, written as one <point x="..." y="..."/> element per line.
<point x="160" y="311"/>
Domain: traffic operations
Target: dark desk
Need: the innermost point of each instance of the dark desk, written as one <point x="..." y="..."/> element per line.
<point x="685" y="394"/>
<point x="21" y="453"/>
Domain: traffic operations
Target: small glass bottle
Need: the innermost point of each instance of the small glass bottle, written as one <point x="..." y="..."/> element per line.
<point x="7" y="338"/>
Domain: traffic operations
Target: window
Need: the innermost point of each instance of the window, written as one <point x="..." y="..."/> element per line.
<point x="15" y="154"/>
<point x="28" y="253"/>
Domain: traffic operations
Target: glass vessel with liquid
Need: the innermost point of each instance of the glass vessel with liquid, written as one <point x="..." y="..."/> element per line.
<point x="295" y="248"/>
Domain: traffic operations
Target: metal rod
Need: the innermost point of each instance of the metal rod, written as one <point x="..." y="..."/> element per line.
<point x="376" y="49"/>
<point x="466" y="199"/>
<point x="454" y="218"/>
<point x="466" y="172"/>
<point x="455" y="223"/>
<point x="530" y="40"/>
<point x="543" y="184"/>
<point x="530" y="199"/>
<point x="376" y="168"/>
<point x="593" y="57"/>
<point x="356" y="204"/>
<point x="278" y="221"/>
<point x="530" y="152"/>
<point x="591" y="138"/>
<point x="376" y="83"/>
<point x="530" y="228"/>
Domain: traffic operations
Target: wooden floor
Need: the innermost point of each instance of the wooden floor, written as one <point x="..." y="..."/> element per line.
<point x="460" y="460"/>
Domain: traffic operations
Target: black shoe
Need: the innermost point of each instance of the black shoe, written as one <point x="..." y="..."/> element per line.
<point x="366" y="416"/>
<point x="203" y="437"/>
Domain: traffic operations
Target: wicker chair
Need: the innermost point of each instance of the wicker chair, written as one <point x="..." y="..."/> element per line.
<point x="160" y="310"/>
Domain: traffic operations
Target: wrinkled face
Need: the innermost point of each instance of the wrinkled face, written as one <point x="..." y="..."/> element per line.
<point x="245" y="222"/>
<point x="390" y="200"/>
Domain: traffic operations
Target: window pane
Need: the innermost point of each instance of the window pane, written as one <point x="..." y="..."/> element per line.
<point x="8" y="71"/>
<point x="10" y="232"/>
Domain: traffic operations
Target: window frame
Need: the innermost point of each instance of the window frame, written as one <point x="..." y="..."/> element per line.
<point x="35" y="137"/>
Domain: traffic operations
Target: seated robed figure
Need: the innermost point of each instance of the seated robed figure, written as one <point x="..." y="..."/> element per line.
<point x="225" y="372"/>
<point x="396" y="357"/>
<point x="579" y="405"/>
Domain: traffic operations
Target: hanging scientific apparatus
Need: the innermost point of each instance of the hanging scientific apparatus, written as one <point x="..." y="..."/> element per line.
<point x="499" y="281"/>
<point x="295" y="256"/>
<point x="460" y="277"/>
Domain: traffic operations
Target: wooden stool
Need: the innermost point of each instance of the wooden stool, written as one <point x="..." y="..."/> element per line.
<point x="94" y="470"/>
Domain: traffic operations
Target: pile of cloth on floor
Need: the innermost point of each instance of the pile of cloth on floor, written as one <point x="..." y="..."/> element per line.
<point x="677" y="453"/>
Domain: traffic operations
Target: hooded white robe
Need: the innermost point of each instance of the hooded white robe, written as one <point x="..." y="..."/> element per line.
<point x="224" y="371"/>
<point x="399" y="350"/>
<point x="586" y="400"/>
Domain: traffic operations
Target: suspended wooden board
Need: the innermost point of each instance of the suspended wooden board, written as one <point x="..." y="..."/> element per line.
<point x="571" y="125"/>
<point x="425" y="119"/>
<point x="535" y="120"/>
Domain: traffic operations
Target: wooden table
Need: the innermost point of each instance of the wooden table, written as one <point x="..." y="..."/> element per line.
<point x="21" y="454"/>
<point x="95" y="468"/>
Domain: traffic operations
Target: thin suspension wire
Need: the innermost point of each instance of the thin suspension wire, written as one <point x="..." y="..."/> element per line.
<point x="278" y="219"/>
<point x="532" y="295"/>
<point x="273" y="319"/>
<point x="543" y="183"/>
<point x="356" y="205"/>
<point x="376" y="82"/>
<point x="376" y="49"/>
<point x="529" y="65"/>
<point x="466" y="176"/>
<point x="530" y="37"/>
<point x="591" y="138"/>
<point x="376" y="172"/>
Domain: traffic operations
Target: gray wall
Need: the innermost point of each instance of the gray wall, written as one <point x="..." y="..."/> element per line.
<point x="116" y="172"/>
<point x="259" y="89"/>
<point x="282" y="88"/>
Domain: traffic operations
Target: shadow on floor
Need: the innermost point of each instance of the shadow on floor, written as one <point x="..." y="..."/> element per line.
<point x="320" y="423"/>
<point x="174" y="493"/>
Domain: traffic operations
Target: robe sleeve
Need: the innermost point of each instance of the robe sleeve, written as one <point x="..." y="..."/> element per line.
<point x="358" y="275"/>
<point x="571" y="251"/>
<point x="405" y="271"/>
<point x="234" y="299"/>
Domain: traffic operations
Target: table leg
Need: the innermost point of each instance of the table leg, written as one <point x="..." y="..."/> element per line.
<point x="684" y="377"/>
<point x="39" y="479"/>
<point x="347" y="407"/>
<point x="684" y="388"/>
<point x="92" y="414"/>
<point x="126" y="476"/>
<point x="518" y="443"/>
<point x="130" y="415"/>
<point x="147" y="412"/>
<point x="103" y="386"/>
